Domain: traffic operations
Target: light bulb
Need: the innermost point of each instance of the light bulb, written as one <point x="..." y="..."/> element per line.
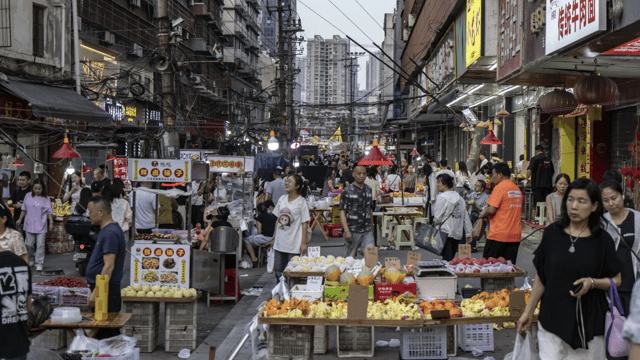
<point x="70" y="169"/>
<point x="272" y="144"/>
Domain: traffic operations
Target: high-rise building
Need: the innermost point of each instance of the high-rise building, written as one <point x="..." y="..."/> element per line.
<point x="327" y="80"/>
<point x="269" y="23"/>
<point x="300" y="90"/>
<point x="387" y="75"/>
<point x="374" y="72"/>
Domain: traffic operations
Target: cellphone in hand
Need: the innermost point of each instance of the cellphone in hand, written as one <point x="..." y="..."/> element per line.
<point x="578" y="288"/>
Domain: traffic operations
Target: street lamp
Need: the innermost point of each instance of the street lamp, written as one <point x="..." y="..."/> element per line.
<point x="296" y="162"/>
<point x="272" y="144"/>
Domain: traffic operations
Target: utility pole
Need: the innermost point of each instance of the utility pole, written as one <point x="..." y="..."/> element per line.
<point x="282" y="85"/>
<point x="352" y="76"/>
<point x="167" y="74"/>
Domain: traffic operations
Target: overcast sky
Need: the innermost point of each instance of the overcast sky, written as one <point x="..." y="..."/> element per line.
<point x="370" y="31"/>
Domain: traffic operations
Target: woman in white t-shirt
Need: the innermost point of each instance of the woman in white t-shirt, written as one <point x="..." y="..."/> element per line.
<point x="393" y="180"/>
<point x="462" y="177"/>
<point x="290" y="236"/>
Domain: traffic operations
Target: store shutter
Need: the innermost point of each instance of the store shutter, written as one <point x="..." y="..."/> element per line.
<point x="622" y="133"/>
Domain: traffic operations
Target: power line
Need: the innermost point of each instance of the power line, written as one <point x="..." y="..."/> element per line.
<point x="348" y="18"/>
<point x="365" y="10"/>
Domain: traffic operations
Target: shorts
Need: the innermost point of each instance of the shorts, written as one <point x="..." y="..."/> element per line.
<point x="257" y="240"/>
<point x="496" y="249"/>
<point x="359" y="240"/>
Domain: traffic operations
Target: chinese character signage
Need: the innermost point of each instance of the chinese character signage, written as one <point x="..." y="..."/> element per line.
<point x="473" y="38"/>
<point x="120" y="169"/>
<point x="631" y="48"/>
<point x="228" y="164"/>
<point x="584" y="146"/>
<point x="159" y="170"/>
<point x="569" y="21"/>
<point x="441" y="67"/>
<point x="509" y="37"/>
<point x="534" y="30"/>
<point x="190" y="155"/>
<point x="160" y="264"/>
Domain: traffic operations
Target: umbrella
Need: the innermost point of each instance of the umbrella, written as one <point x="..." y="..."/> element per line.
<point x="66" y="151"/>
<point x="375" y="157"/>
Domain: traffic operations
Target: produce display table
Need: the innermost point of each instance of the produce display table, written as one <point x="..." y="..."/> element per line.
<point x="518" y="273"/>
<point x="319" y="220"/>
<point x="390" y="323"/>
<point x="115" y="321"/>
<point x="162" y="299"/>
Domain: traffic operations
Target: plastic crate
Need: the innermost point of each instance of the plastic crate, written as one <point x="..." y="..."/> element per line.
<point x="437" y="287"/>
<point x="180" y="337"/>
<point x="290" y="342"/>
<point x="424" y="343"/>
<point x="181" y="314"/>
<point x="143" y="313"/>
<point x="300" y="292"/>
<point x="333" y="230"/>
<point x="496" y="284"/>
<point x="134" y="355"/>
<point x="147" y="336"/>
<point x="54" y="339"/>
<point x="470" y="292"/>
<point x="320" y="339"/>
<point x="479" y="336"/>
<point x="355" y="341"/>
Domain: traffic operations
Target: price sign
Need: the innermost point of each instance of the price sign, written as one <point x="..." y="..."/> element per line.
<point x="314" y="283"/>
<point x="371" y="256"/>
<point x="392" y="262"/>
<point x="313" y="251"/>
<point x="358" y="300"/>
<point x="413" y="257"/>
<point x="464" y="251"/>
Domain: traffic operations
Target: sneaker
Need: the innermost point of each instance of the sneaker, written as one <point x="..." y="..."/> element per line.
<point x="32" y="263"/>
<point x="38" y="267"/>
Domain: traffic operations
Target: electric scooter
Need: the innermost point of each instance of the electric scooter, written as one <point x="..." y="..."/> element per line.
<point x="80" y="228"/>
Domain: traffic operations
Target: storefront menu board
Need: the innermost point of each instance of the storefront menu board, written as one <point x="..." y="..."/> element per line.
<point x="160" y="170"/>
<point x="229" y="164"/>
<point x="120" y="168"/>
<point x="160" y="264"/>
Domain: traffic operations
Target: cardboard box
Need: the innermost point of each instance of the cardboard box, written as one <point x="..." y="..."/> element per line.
<point x="384" y="291"/>
<point x="332" y="293"/>
<point x="102" y="297"/>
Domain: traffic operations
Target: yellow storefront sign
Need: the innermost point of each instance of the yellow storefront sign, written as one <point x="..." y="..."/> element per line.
<point x="473" y="45"/>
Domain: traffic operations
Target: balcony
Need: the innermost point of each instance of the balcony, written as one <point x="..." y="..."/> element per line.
<point x="232" y="55"/>
<point x="235" y="28"/>
<point x="241" y="6"/>
<point x="198" y="45"/>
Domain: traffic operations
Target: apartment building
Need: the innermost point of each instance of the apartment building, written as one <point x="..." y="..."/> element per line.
<point x="327" y="80"/>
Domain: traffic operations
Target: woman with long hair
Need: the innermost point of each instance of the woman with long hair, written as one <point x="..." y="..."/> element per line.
<point x="410" y="180"/>
<point x="373" y="183"/>
<point x="120" y="208"/>
<point x="450" y="214"/>
<point x="290" y="236"/>
<point x="462" y="177"/>
<point x="82" y="206"/>
<point x="36" y="209"/>
<point x="575" y="263"/>
<point x="329" y="181"/>
<point x="623" y="222"/>
<point x="219" y="217"/>
<point x="73" y="189"/>
<point x="11" y="239"/>
<point x="393" y="180"/>
<point x="554" y="200"/>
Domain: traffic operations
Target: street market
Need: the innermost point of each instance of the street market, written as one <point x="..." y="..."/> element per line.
<point x="298" y="180"/>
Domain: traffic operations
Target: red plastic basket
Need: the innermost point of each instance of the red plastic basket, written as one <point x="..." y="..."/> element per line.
<point x="334" y="230"/>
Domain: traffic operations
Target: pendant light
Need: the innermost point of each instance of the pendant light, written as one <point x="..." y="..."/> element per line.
<point x="491" y="138"/>
<point x="66" y="151"/>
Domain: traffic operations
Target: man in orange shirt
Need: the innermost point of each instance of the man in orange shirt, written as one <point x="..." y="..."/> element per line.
<point x="504" y="209"/>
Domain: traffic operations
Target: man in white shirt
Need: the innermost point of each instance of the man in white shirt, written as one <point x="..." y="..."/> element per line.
<point x="145" y="209"/>
<point x="519" y="164"/>
<point x="275" y="190"/>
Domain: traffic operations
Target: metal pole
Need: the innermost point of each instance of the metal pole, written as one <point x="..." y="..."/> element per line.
<point x="167" y="75"/>
<point x="281" y="57"/>
<point x="76" y="45"/>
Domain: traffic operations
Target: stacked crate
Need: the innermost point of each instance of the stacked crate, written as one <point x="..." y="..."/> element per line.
<point x="144" y="324"/>
<point x="180" y="326"/>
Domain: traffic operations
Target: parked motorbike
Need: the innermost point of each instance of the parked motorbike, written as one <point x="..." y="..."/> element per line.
<point x="84" y="238"/>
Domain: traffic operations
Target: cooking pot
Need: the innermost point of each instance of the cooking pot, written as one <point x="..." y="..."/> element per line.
<point x="223" y="239"/>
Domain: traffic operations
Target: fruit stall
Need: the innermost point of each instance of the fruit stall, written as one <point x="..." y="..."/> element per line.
<point x="419" y="298"/>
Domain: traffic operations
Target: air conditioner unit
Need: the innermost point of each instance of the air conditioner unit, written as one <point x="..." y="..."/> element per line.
<point x="108" y="38"/>
<point x="135" y="3"/>
<point x="412" y="20"/>
<point x="136" y="51"/>
<point x="405" y="34"/>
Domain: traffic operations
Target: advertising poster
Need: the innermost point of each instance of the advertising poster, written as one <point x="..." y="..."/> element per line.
<point x="159" y="170"/>
<point x="160" y="264"/>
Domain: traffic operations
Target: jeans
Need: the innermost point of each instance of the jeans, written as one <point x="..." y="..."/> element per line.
<point x="280" y="261"/>
<point x="35" y="247"/>
<point x="358" y="240"/>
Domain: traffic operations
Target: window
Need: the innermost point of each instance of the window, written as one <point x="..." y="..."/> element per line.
<point x="5" y="23"/>
<point x="38" y="30"/>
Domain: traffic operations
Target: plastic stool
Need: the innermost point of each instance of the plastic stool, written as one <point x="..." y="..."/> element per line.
<point x="541" y="213"/>
<point x="401" y="239"/>
<point x="387" y="225"/>
<point x="417" y="223"/>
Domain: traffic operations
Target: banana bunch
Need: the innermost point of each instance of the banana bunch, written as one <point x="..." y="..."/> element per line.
<point x="64" y="210"/>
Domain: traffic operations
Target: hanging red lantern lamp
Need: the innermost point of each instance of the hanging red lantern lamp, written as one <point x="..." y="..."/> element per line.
<point x="491" y="138"/>
<point x="110" y="157"/>
<point x="18" y="162"/>
<point x="414" y="153"/>
<point x="65" y="151"/>
<point x="558" y="102"/>
<point x="86" y="169"/>
<point x="391" y="157"/>
<point x="595" y="89"/>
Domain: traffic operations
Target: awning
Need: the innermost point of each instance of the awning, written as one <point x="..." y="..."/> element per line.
<point x="56" y="102"/>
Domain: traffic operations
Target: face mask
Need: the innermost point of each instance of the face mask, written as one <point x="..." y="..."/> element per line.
<point x="269" y="211"/>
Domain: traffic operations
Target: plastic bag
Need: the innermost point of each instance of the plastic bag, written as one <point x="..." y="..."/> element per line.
<point x="117" y="345"/>
<point x="281" y="291"/>
<point x="270" y="260"/>
<point x="81" y="344"/>
<point x="525" y="349"/>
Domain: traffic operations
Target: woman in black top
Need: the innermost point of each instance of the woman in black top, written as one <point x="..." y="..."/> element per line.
<point x="263" y="232"/>
<point x="218" y="218"/>
<point x="574" y="251"/>
<point x="625" y="222"/>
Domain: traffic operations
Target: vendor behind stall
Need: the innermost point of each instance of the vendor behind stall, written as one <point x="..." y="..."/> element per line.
<point x="218" y="218"/>
<point x="107" y="258"/>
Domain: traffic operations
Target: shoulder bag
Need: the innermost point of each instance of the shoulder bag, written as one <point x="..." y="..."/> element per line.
<point x="614" y="323"/>
<point x="431" y="238"/>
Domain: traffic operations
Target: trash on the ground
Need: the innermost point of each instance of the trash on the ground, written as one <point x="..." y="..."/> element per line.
<point x="243" y="275"/>
<point x="476" y="352"/>
<point x="184" y="354"/>
<point x="252" y="291"/>
<point x="382" y="343"/>
<point x="394" y="343"/>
